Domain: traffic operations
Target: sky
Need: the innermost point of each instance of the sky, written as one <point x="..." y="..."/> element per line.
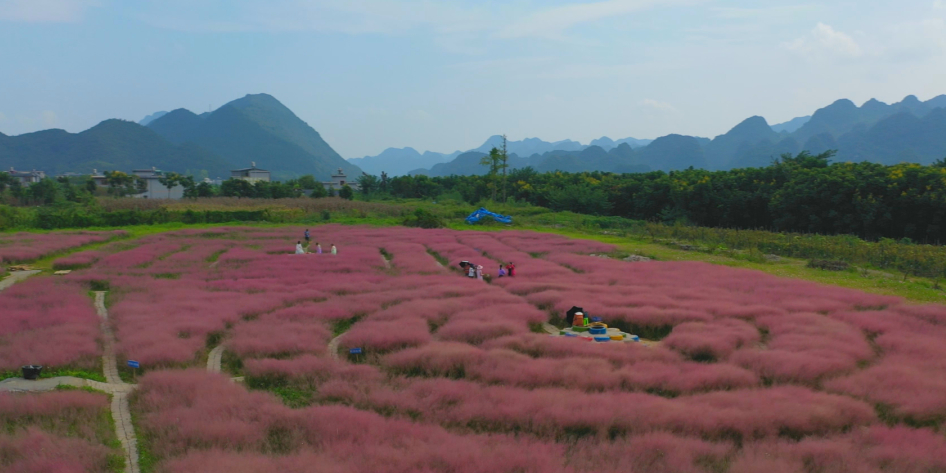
<point x="445" y="75"/>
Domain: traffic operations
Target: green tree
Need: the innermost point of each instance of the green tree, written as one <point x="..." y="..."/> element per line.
<point x="369" y="184"/>
<point x="190" y="187"/>
<point x="236" y="188"/>
<point x="318" y="192"/>
<point x="308" y="182"/>
<point x="46" y="191"/>
<point x="493" y="161"/>
<point x="205" y="189"/>
<point x="346" y="192"/>
<point x="91" y="186"/>
<point x="170" y="180"/>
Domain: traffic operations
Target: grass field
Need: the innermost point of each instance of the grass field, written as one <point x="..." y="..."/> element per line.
<point x="758" y="366"/>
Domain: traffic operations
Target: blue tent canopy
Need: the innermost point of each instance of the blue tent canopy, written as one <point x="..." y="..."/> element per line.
<point x="482" y="212"/>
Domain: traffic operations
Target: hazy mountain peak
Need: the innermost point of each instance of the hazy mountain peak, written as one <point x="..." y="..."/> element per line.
<point x="150" y="118"/>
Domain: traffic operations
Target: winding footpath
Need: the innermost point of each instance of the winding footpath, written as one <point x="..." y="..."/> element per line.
<point x="15" y="277"/>
<point x="121" y="413"/>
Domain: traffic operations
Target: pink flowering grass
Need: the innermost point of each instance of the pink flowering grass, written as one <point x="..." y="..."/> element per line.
<point x="211" y="424"/>
<point x="751" y="371"/>
<point x="23" y="247"/>
<point x="47" y="323"/>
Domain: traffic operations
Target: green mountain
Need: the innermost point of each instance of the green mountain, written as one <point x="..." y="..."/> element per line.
<point x="260" y="129"/>
<point x="112" y="144"/>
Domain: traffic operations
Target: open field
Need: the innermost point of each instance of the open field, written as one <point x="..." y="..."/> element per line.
<point x="750" y="371"/>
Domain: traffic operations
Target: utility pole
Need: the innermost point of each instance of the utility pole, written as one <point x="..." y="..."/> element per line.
<point x="504" y="168"/>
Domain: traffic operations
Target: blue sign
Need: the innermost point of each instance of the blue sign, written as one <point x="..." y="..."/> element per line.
<point x="354" y="351"/>
<point x="133" y="364"/>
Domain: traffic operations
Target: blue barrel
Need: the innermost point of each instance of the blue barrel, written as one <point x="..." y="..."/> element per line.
<point x="598" y="330"/>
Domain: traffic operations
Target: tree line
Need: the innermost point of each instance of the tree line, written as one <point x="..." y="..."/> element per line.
<point x="82" y="190"/>
<point x="802" y="193"/>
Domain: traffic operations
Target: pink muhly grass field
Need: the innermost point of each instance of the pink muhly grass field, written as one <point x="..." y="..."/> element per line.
<point x="22" y="247"/>
<point x="739" y="371"/>
<point x="47" y="323"/>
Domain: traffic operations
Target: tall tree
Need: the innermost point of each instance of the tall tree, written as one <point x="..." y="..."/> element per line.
<point x="170" y="180"/>
<point x="493" y="161"/>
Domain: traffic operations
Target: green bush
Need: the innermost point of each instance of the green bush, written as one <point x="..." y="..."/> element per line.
<point x="423" y="218"/>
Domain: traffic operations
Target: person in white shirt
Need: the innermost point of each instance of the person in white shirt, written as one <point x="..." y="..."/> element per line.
<point x="299" y="249"/>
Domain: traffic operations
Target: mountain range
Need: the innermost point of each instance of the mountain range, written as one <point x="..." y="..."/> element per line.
<point x="400" y="161"/>
<point x="258" y="128"/>
<point x="255" y="128"/>
<point x="907" y="131"/>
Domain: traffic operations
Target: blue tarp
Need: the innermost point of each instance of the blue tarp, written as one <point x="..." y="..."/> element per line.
<point x="482" y="212"/>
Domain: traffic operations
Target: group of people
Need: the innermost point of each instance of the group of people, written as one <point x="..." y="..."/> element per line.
<point x="301" y="250"/>
<point x="475" y="271"/>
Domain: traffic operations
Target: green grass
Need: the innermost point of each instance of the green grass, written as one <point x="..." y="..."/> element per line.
<point x="57" y="372"/>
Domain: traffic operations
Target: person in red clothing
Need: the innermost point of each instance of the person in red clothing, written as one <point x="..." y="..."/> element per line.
<point x="511" y="269"/>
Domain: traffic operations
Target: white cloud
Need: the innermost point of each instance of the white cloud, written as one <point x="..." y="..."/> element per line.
<point x="939" y="5"/>
<point x="825" y="41"/>
<point x="553" y="22"/>
<point x="658" y="105"/>
<point x="49" y="118"/>
<point x="45" y="11"/>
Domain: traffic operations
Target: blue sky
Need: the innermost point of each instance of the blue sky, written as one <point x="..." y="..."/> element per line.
<point x="444" y="75"/>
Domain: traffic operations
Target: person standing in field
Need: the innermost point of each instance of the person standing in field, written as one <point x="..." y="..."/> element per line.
<point x="501" y="272"/>
<point x="318" y="248"/>
<point x="511" y="269"/>
<point x="307" y="238"/>
<point x="299" y="249"/>
<point x="334" y="250"/>
<point x="479" y="272"/>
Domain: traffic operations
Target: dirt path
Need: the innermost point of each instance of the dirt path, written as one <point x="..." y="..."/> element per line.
<point x="551" y="329"/>
<point x="15" y="277"/>
<point x="121" y="413"/>
<point x="333" y="346"/>
<point x="214" y="358"/>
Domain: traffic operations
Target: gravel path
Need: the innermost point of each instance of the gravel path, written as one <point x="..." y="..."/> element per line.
<point x="121" y="413"/>
<point x="15" y="277"/>
<point x="333" y="347"/>
<point x="214" y="358"/>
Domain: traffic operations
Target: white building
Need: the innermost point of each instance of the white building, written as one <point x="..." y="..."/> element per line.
<point x="339" y="180"/>
<point x="153" y="187"/>
<point x="27" y="177"/>
<point x="251" y="174"/>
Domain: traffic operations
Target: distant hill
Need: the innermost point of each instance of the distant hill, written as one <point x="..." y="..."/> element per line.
<point x="399" y="161"/>
<point x="112" y="144"/>
<point x="256" y="128"/>
<point x="910" y="130"/>
<point x="792" y="125"/>
<point x="150" y="118"/>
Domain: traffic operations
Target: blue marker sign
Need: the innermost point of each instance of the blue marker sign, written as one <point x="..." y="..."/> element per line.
<point x="354" y="351"/>
<point x="133" y="364"/>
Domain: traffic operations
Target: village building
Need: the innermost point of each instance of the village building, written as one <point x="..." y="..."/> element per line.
<point x="251" y="174"/>
<point x="339" y="180"/>
<point x="153" y="187"/>
<point x="27" y="177"/>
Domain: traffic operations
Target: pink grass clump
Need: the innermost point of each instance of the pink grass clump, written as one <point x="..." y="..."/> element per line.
<point x="268" y="336"/>
<point x="211" y="424"/>
<point x="712" y="340"/>
<point x="36" y="451"/>
<point x="387" y="336"/>
<point x="22" y="247"/>
<point x="51" y="324"/>
<point x="82" y="259"/>
<point x="804" y="348"/>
